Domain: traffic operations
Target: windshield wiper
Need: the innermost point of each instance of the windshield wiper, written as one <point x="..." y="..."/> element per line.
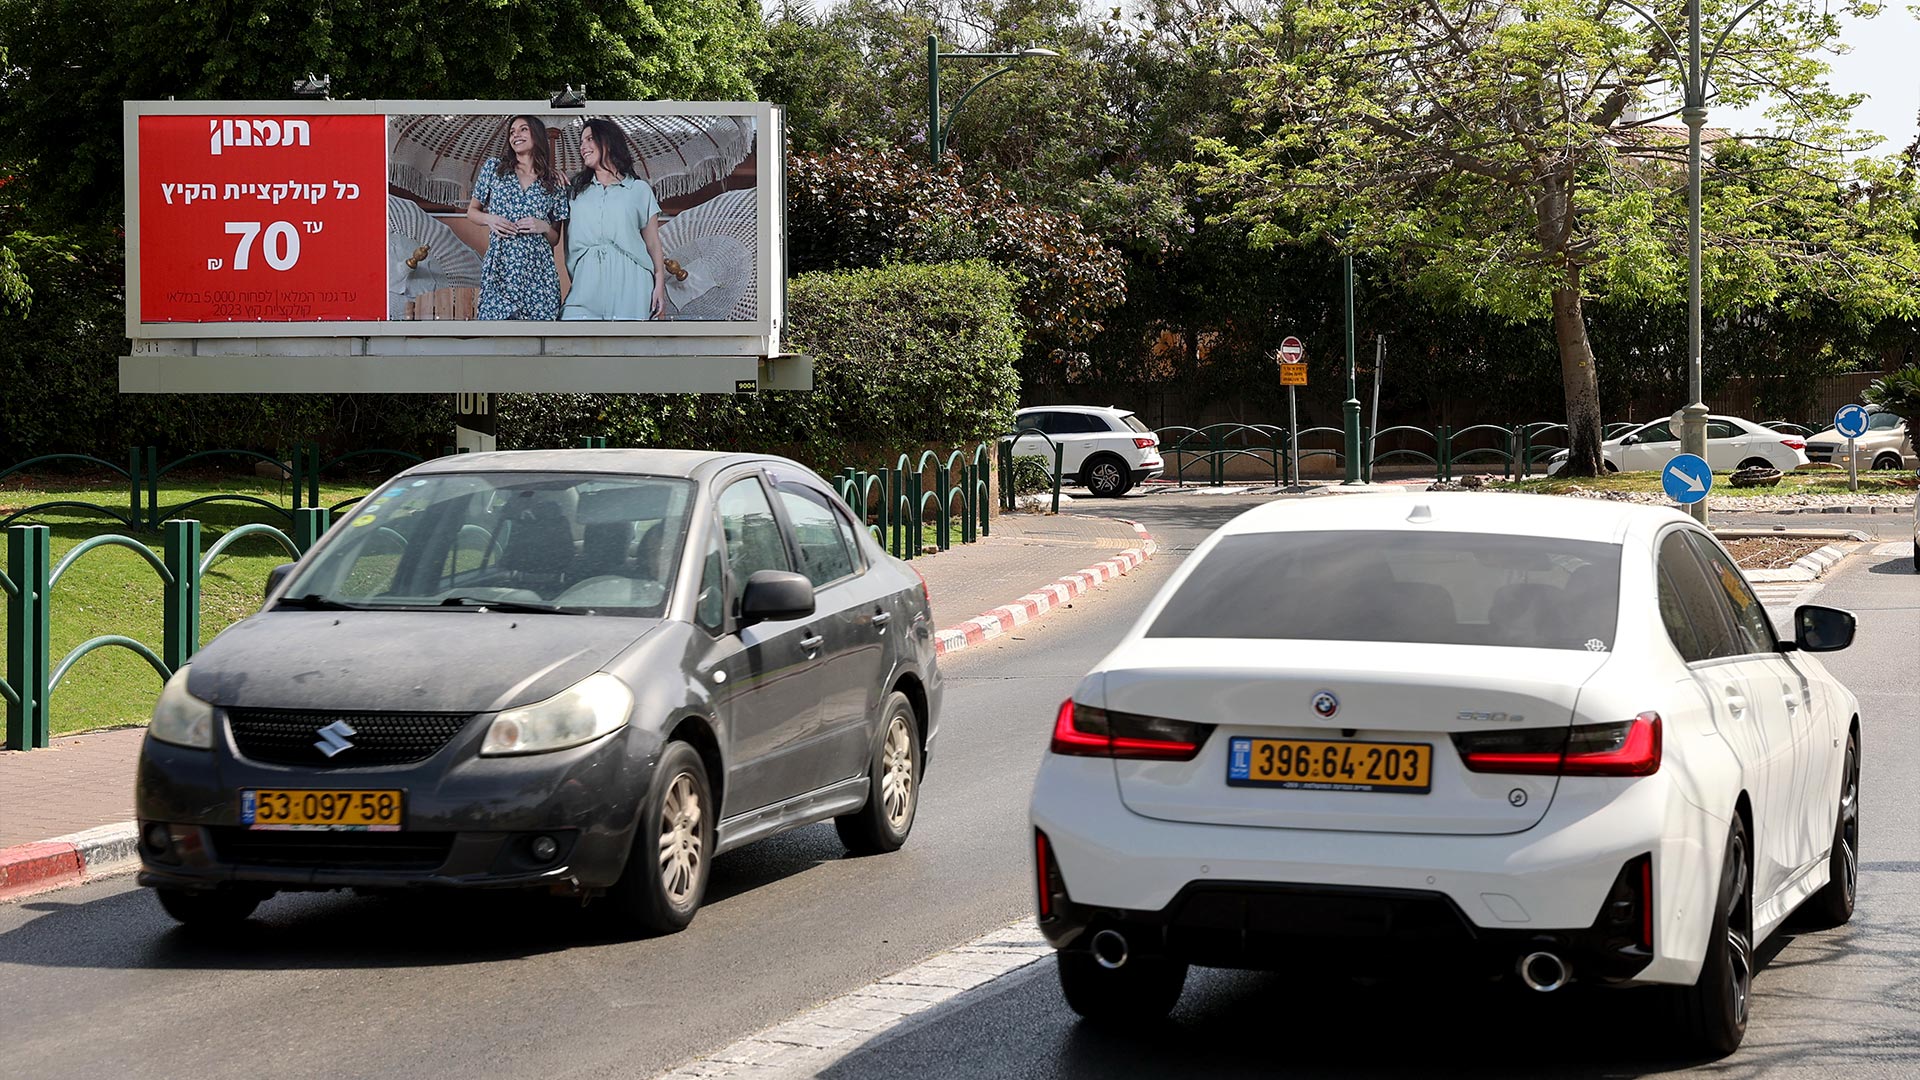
<point x="314" y="602"/>
<point x="507" y="605"/>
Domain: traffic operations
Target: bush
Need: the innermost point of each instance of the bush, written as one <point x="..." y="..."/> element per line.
<point x="1899" y="393"/>
<point x="905" y="356"/>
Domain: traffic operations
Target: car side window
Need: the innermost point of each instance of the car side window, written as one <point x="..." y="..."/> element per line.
<point x="851" y="534"/>
<point x="1081" y="423"/>
<point x="1040" y="421"/>
<point x="752" y="535"/>
<point x="1660" y="432"/>
<point x="1756" y="630"/>
<point x="824" y="557"/>
<point x="1700" y="600"/>
<point x="1720" y="429"/>
<point x="1674" y="614"/>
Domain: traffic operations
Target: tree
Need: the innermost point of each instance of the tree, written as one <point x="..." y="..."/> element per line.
<point x="1509" y="155"/>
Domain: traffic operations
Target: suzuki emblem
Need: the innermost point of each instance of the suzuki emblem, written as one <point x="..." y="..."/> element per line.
<point x="334" y="738"/>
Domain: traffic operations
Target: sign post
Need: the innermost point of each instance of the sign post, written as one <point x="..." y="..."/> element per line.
<point x="1851" y="421"/>
<point x="1293" y="373"/>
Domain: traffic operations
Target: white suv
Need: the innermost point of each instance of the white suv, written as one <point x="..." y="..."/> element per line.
<point x="1107" y="450"/>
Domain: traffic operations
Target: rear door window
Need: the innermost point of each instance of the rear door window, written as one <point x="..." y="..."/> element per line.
<point x="1440" y="588"/>
<point x="1750" y="617"/>
<point x="1720" y="429"/>
<point x="1708" y="615"/>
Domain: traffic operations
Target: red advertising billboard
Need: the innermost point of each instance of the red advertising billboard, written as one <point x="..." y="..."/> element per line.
<point x="267" y="218"/>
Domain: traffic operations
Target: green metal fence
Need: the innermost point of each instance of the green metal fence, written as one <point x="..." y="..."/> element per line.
<point x="31" y="576"/>
<point x="894" y="502"/>
<point x="1520" y="450"/>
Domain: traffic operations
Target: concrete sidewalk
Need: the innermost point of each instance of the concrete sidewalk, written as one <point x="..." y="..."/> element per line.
<point x="83" y="784"/>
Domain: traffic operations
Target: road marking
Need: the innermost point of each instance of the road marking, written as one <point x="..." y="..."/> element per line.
<point x="807" y="1043"/>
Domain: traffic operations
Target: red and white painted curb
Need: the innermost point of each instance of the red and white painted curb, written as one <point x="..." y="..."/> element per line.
<point x="26" y="869"/>
<point x="982" y="628"/>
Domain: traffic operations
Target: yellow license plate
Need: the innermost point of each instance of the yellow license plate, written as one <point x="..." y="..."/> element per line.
<point x="1325" y="765"/>
<point x="280" y="808"/>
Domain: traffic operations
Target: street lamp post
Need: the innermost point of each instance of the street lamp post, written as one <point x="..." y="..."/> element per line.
<point x="937" y="131"/>
<point x="1693" y="112"/>
<point x="1352" y="404"/>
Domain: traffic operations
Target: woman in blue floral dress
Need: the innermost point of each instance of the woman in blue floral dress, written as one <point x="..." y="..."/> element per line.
<point x="521" y="199"/>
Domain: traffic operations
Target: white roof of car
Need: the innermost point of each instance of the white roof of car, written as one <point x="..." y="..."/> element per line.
<point x="1459" y="511"/>
<point x="1073" y="408"/>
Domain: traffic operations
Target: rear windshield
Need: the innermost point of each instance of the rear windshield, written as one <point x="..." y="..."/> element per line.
<point x="1440" y="588"/>
<point x="1133" y="422"/>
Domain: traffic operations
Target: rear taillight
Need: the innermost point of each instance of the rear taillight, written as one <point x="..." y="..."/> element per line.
<point x="1626" y="749"/>
<point x="1794" y="444"/>
<point x="1143" y="443"/>
<point x="1086" y="731"/>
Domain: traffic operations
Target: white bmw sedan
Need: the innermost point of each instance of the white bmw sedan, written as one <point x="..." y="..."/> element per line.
<point x="1468" y="735"/>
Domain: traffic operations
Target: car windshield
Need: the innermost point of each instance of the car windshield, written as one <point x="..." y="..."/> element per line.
<point x="1439" y="588"/>
<point x="1884" y="421"/>
<point x="1133" y="422"/>
<point x="565" y="542"/>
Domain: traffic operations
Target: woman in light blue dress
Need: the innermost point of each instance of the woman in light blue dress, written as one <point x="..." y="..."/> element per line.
<point x="521" y="199"/>
<point x="614" y="257"/>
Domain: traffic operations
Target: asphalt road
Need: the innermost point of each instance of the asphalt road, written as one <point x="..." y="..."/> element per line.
<point x="97" y="981"/>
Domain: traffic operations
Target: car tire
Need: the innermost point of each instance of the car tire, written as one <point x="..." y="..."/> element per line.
<point x="893" y="785"/>
<point x="1712" y="1013"/>
<point x="1142" y="991"/>
<point x="1106" y="476"/>
<point x="1833" y="905"/>
<point x="1611" y="467"/>
<point x="1887" y="462"/>
<point x="223" y="906"/>
<point x="666" y="874"/>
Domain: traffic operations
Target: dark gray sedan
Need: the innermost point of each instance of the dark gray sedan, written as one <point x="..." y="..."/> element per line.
<point x="588" y="671"/>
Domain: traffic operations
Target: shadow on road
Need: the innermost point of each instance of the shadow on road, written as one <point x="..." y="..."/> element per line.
<point x="337" y="930"/>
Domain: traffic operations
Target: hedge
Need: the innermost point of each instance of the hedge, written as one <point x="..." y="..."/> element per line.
<point x="906" y="355"/>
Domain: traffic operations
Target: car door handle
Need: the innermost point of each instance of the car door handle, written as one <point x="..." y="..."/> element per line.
<point x="1736" y="703"/>
<point x="881" y="619"/>
<point x="812" y="643"/>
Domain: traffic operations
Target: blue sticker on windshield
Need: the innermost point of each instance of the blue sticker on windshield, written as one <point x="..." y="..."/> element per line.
<point x="391" y="492"/>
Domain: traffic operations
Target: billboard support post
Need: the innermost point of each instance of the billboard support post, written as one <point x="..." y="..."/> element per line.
<point x="473" y="423"/>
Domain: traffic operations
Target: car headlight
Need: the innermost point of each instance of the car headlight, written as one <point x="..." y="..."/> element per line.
<point x="581" y="713"/>
<point x="180" y="718"/>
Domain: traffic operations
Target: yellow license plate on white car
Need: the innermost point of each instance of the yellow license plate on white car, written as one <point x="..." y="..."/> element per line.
<point x="1328" y="765"/>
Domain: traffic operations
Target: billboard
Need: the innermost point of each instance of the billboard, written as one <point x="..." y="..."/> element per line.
<point x="402" y="221"/>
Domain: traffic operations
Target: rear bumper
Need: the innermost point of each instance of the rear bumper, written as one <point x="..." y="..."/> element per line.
<point x="1356" y="931"/>
<point x="1476" y="899"/>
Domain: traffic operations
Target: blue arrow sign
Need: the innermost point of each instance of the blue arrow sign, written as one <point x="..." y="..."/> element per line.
<point x="1850" y="421"/>
<point x="1686" y="478"/>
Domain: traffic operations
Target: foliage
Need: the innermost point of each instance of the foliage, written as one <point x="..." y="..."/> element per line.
<point x="1899" y="393"/>
<point x="905" y="356"/>
<point x="854" y="208"/>
<point x="1494" y="153"/>
<point x="1031" y="475"/>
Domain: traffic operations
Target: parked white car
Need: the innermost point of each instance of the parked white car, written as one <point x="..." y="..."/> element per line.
<point x="1732" y="443"/>
<point x="1884" y="446"/>
<point x="1104" y="449"/>
<point x="1485" y="735"/>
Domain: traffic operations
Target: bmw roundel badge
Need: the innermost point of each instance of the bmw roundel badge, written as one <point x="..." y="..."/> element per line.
<point x="1325" y="704"/>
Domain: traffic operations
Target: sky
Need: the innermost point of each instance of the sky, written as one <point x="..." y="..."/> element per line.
<point x="1884" y="64"/>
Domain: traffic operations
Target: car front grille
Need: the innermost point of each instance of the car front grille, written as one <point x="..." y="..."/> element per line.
<point x="332" y="850"/>
<point x="292" y="737"/>
<point x="1821" y="451"/>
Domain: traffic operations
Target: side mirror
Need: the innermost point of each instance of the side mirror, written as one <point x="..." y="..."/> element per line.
<point x="1822" y="629"/>
<point x="775" y="596"/>
<point x="274" y="577"/>
<point x="1629" y="440"/>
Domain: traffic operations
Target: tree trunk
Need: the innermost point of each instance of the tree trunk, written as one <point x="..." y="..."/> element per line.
<point x="1578" y="379"/>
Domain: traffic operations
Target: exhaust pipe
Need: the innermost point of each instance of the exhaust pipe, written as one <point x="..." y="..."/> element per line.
<point x="1109" y="949"/>
<point x="1544" y="972"/>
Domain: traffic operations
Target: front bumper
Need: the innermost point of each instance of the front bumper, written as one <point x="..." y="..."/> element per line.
<point x="467" y="821"/>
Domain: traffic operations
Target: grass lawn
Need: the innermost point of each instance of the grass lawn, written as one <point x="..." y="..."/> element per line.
<point x="114" y="591"/>
<point x="1794" y="483"/>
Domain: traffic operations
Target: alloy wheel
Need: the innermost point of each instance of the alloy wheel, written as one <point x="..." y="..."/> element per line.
<point x="896" y="773"/>
<point x="1740" y="935"/>
<point x="680" y="848"/>
<point x="1850" y="824"/>
<point x="1105" y="477"/>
